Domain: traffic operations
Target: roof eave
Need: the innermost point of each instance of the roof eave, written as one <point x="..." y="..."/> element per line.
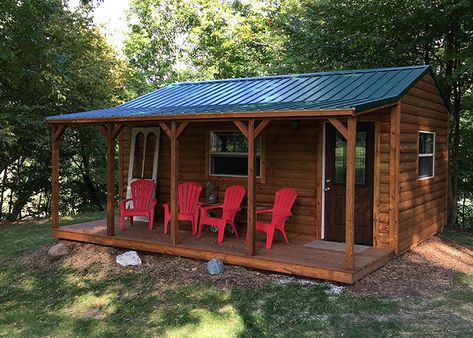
<point x="285" y="114"/>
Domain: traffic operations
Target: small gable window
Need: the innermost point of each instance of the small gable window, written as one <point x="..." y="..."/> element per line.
<point x="426" y="154"/>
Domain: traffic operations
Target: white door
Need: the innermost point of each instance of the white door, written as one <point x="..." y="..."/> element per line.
<point x="144" y="155"/>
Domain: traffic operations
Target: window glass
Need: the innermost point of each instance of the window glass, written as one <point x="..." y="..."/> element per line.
<point x="341" y="158"/>
<point x="229" y="154"/>
<point x="426" y="154"/>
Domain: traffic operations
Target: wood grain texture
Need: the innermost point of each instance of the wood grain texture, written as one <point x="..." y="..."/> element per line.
<point x="289" y="159"/>
<point x="110" y="180"/>
<point x="422" y="203"/>
<point x="350" y="195"/>
<point x="394" y="155"/>
<point x="293" y="259"/>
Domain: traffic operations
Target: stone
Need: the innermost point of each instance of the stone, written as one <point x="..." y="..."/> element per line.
<point x="215" y="266"/>
<point x="58" y="250"/>
<point x="129" y="258"/>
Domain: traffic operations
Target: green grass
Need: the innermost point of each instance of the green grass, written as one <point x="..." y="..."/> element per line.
<point x="61" y="301"/>
<point x="462" y="238"/>
<point x="20" y="238"/>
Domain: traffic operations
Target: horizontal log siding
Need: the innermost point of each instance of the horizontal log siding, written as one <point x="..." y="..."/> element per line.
<point x="422" y="203"/>
<point x="289" y="156"/>
<point x="381" y="201"/>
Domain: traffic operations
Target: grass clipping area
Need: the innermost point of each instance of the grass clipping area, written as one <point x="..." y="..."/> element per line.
<point x="428" y="290"/>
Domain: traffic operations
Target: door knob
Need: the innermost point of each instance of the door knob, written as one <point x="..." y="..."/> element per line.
<point x="327" y="189"/>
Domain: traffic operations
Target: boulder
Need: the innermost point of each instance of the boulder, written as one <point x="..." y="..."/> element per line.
<point x="58" y="250"/>
<point x="129" y="258"/>
<point x="215" y="266"/>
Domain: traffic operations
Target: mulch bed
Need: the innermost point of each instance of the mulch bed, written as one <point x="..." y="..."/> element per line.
<point x="428" y="267"/>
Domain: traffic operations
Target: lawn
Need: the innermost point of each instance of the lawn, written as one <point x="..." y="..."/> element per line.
<point x="61" y="300"/>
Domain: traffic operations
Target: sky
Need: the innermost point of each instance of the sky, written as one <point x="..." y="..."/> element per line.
<point x="110" y="15"/>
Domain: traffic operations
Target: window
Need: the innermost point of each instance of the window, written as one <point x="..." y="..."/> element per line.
<point x="341" y="158"/>
<point x="228" y="151"/>
<point x="426" y="154"/>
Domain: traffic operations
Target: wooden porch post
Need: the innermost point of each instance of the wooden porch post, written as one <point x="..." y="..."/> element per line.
<point x="174" y="173"/>
<point x="251" y="224"/>
<point x="110" y="181"/>
<point x="57" y="132"/>
<point x="251" y="133"/>
<point x="173" y="133"/>
<point x="350" y="194"/>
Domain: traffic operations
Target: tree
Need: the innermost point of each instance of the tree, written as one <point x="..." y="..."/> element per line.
<point x="327" y="34"/>
<point x="53" y="61"/>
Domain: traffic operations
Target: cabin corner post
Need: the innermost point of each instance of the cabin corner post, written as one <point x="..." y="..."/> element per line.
<point x="57" y="131"/>
<point x="394" y="163"/>
<point x="110" y="180"/>
<point x="350" y="194"/>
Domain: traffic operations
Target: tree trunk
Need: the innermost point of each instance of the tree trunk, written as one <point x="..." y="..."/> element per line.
<point x="2" y="192"/>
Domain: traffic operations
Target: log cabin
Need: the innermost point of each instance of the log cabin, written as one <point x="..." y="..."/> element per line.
<point x="366" y="151"/>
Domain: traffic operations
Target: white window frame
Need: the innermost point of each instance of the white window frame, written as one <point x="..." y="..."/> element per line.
<point x="419" y="155"/>
<point x="234" y="154"/>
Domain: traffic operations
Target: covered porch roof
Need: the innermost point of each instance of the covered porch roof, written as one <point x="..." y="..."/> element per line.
<point x="341" y="93"/>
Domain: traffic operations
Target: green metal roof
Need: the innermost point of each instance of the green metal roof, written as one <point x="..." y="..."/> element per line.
<point x="353" y="89"/>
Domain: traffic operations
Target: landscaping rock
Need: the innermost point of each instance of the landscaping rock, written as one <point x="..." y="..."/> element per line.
<point x="215" y="266"/>
<point x="129" y="258"/>
<point x="58" y="250"/>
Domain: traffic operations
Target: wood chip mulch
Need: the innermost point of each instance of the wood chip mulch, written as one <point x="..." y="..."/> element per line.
<point x="426" y="268"/>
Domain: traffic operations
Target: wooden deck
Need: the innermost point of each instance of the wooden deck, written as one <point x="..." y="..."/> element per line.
<point x="290" y="259"/>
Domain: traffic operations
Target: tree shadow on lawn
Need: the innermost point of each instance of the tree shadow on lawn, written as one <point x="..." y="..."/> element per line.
<point x="51" y="298"/>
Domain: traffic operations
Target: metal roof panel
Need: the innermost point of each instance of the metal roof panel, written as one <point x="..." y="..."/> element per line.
<point x="352" y="89"/>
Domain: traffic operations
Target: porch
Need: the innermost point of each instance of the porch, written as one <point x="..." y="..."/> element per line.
<point x="296" y="258"/>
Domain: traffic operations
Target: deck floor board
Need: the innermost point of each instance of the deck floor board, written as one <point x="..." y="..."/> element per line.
<point x="294" y="258"/>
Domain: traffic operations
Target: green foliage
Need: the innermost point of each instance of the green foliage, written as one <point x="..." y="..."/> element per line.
<point x="53" y="61"/>
<point x="199" y="39"/>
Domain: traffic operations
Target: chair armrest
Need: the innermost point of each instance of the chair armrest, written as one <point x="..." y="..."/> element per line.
<point x="123" y="202"/>
<point x="264" y="211"/>
<point x="210" y="207"/>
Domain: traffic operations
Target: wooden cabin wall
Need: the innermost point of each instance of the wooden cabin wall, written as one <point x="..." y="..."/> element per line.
<point x="422" y="203"/>
<point x="382" y="121"/>
<point x="291" y="157"/>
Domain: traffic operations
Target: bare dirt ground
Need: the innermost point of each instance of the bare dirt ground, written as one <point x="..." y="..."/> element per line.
<point x="426" y="268"/>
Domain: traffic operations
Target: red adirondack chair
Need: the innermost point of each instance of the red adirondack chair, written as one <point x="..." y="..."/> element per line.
<point x="188" y="197"/>
<point x="231" y="205"/>
<point x="281" y="210"/>
<point x="142" y="202"/>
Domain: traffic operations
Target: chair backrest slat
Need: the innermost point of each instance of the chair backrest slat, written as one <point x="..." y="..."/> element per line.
<point x="142" y="193"/>
<point x="233" y="197"/>
<point x="189" y="193"/>
<point x="283" y="202"/>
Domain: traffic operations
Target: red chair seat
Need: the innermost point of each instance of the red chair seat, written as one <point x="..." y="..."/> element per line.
<point x="188" y="200"/>
<point x="231" y="205"/>
<point x="283" y="202"/>
<point x="142" y="202"/>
